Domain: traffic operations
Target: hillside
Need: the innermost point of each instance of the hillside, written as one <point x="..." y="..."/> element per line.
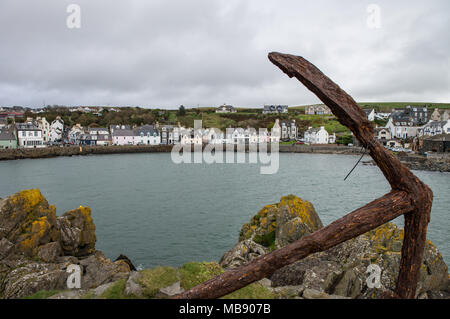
<point x="244" y="117"/>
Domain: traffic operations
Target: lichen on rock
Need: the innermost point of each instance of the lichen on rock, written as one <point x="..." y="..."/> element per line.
<point x="279" y="224"/>
<point x="36" y="247"/>
<point x="341" y="270"/>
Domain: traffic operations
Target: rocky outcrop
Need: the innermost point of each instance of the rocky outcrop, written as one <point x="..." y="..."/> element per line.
<point x="341" y="270"/>
<point x="274" y="226"/>
<point x="77" y="232"/>
<point x="279" y="224"/>
<point x="36" y="247"/>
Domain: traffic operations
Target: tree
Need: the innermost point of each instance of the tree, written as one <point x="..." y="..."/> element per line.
<point x="181" y="111"/>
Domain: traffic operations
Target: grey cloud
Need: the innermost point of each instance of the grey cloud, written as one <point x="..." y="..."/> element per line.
<point x="204" y="52"/>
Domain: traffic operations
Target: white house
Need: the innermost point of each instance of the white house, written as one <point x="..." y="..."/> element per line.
<point x="402" y="127"/>
<point x="332" y="138"/>
<point x="147" y="135"/>
<point x="29" y="136"/>
<point x="319" y="109"/>
<point x="186" y="135"/>
<point x="44" y="125"/>
<point x="263" y="136"/>
<point x="370" y="113"/>
<point x="275" y="132"/>
<point x="75" y="133"/>
<point x="288" y="130"/>
<point x="56" y="130"/>
<point x="433" y="128"/>
<point x="383" y="134"/>
<point x="316" y="135"/>
<point x="214" y="136"/>
<point x="226" y="109"/>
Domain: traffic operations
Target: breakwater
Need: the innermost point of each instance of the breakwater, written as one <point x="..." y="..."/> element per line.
<point x="23" y="153"/>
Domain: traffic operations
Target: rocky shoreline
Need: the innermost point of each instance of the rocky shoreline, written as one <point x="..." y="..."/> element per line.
<point x="421" y="163"/>
<point x="37" y="248"/>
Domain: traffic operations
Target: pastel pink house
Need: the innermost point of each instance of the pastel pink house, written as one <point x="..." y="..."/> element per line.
<point x="124" y="137"/>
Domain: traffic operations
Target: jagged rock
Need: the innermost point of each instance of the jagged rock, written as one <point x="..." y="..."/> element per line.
<point x="132" y="287"/>
<point x="126" y="260"/>
<point x="242" y="253"/>
<point x="274" y="226"/>
<point x="29" y="277"/>
<point x="5" y="247"/>
<point x="77" y="232"/>
<point x="295" y="219"/>
<point x="98" y="270"/>
<point x="33" y="240"/>
<point x="341" y="270"/>
<point x="49" y="252"/>
<point x="27" y="221"/>
<point x="279" y="224"/>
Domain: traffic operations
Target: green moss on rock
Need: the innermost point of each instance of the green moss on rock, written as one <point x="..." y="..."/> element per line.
<point x="287" y="220"/>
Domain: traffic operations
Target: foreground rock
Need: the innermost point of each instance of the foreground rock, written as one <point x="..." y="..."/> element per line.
<point x="36" y="247"/>
<point x="341" y="270"/>
<point x="273" y="227"/>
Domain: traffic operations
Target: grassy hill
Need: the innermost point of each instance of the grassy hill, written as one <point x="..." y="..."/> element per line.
<point x="244" y="117"/>
<point x="388" y="106"/>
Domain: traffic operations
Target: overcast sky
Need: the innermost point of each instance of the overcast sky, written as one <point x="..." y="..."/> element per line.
<point x="162" y="53"/>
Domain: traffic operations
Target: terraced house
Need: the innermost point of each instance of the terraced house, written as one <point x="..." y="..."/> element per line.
<point x="147" y="135"/>
<point x="288" y="130"/>
<point x="7" y="139"/>
<point x="29" y="135"/>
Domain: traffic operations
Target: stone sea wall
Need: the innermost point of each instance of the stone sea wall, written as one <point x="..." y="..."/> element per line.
<point x="417" y="162"/>
<point x="14" y="154"/>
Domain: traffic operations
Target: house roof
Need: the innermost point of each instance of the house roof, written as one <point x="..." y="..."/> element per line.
<point x="435" y="124"/>
<point x="96" y="129"/>
<point x="27" y="127"/>
<point x="121" y="132"/>
<point x="313" y="130"/>
<point x="6" y="135"/>
<point x="273" y="108"/>
<point x="228" y="107"/>
<point x="146" y="129"/>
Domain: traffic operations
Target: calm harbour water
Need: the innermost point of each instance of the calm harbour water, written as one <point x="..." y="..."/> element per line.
<point x="160" y="213"/>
